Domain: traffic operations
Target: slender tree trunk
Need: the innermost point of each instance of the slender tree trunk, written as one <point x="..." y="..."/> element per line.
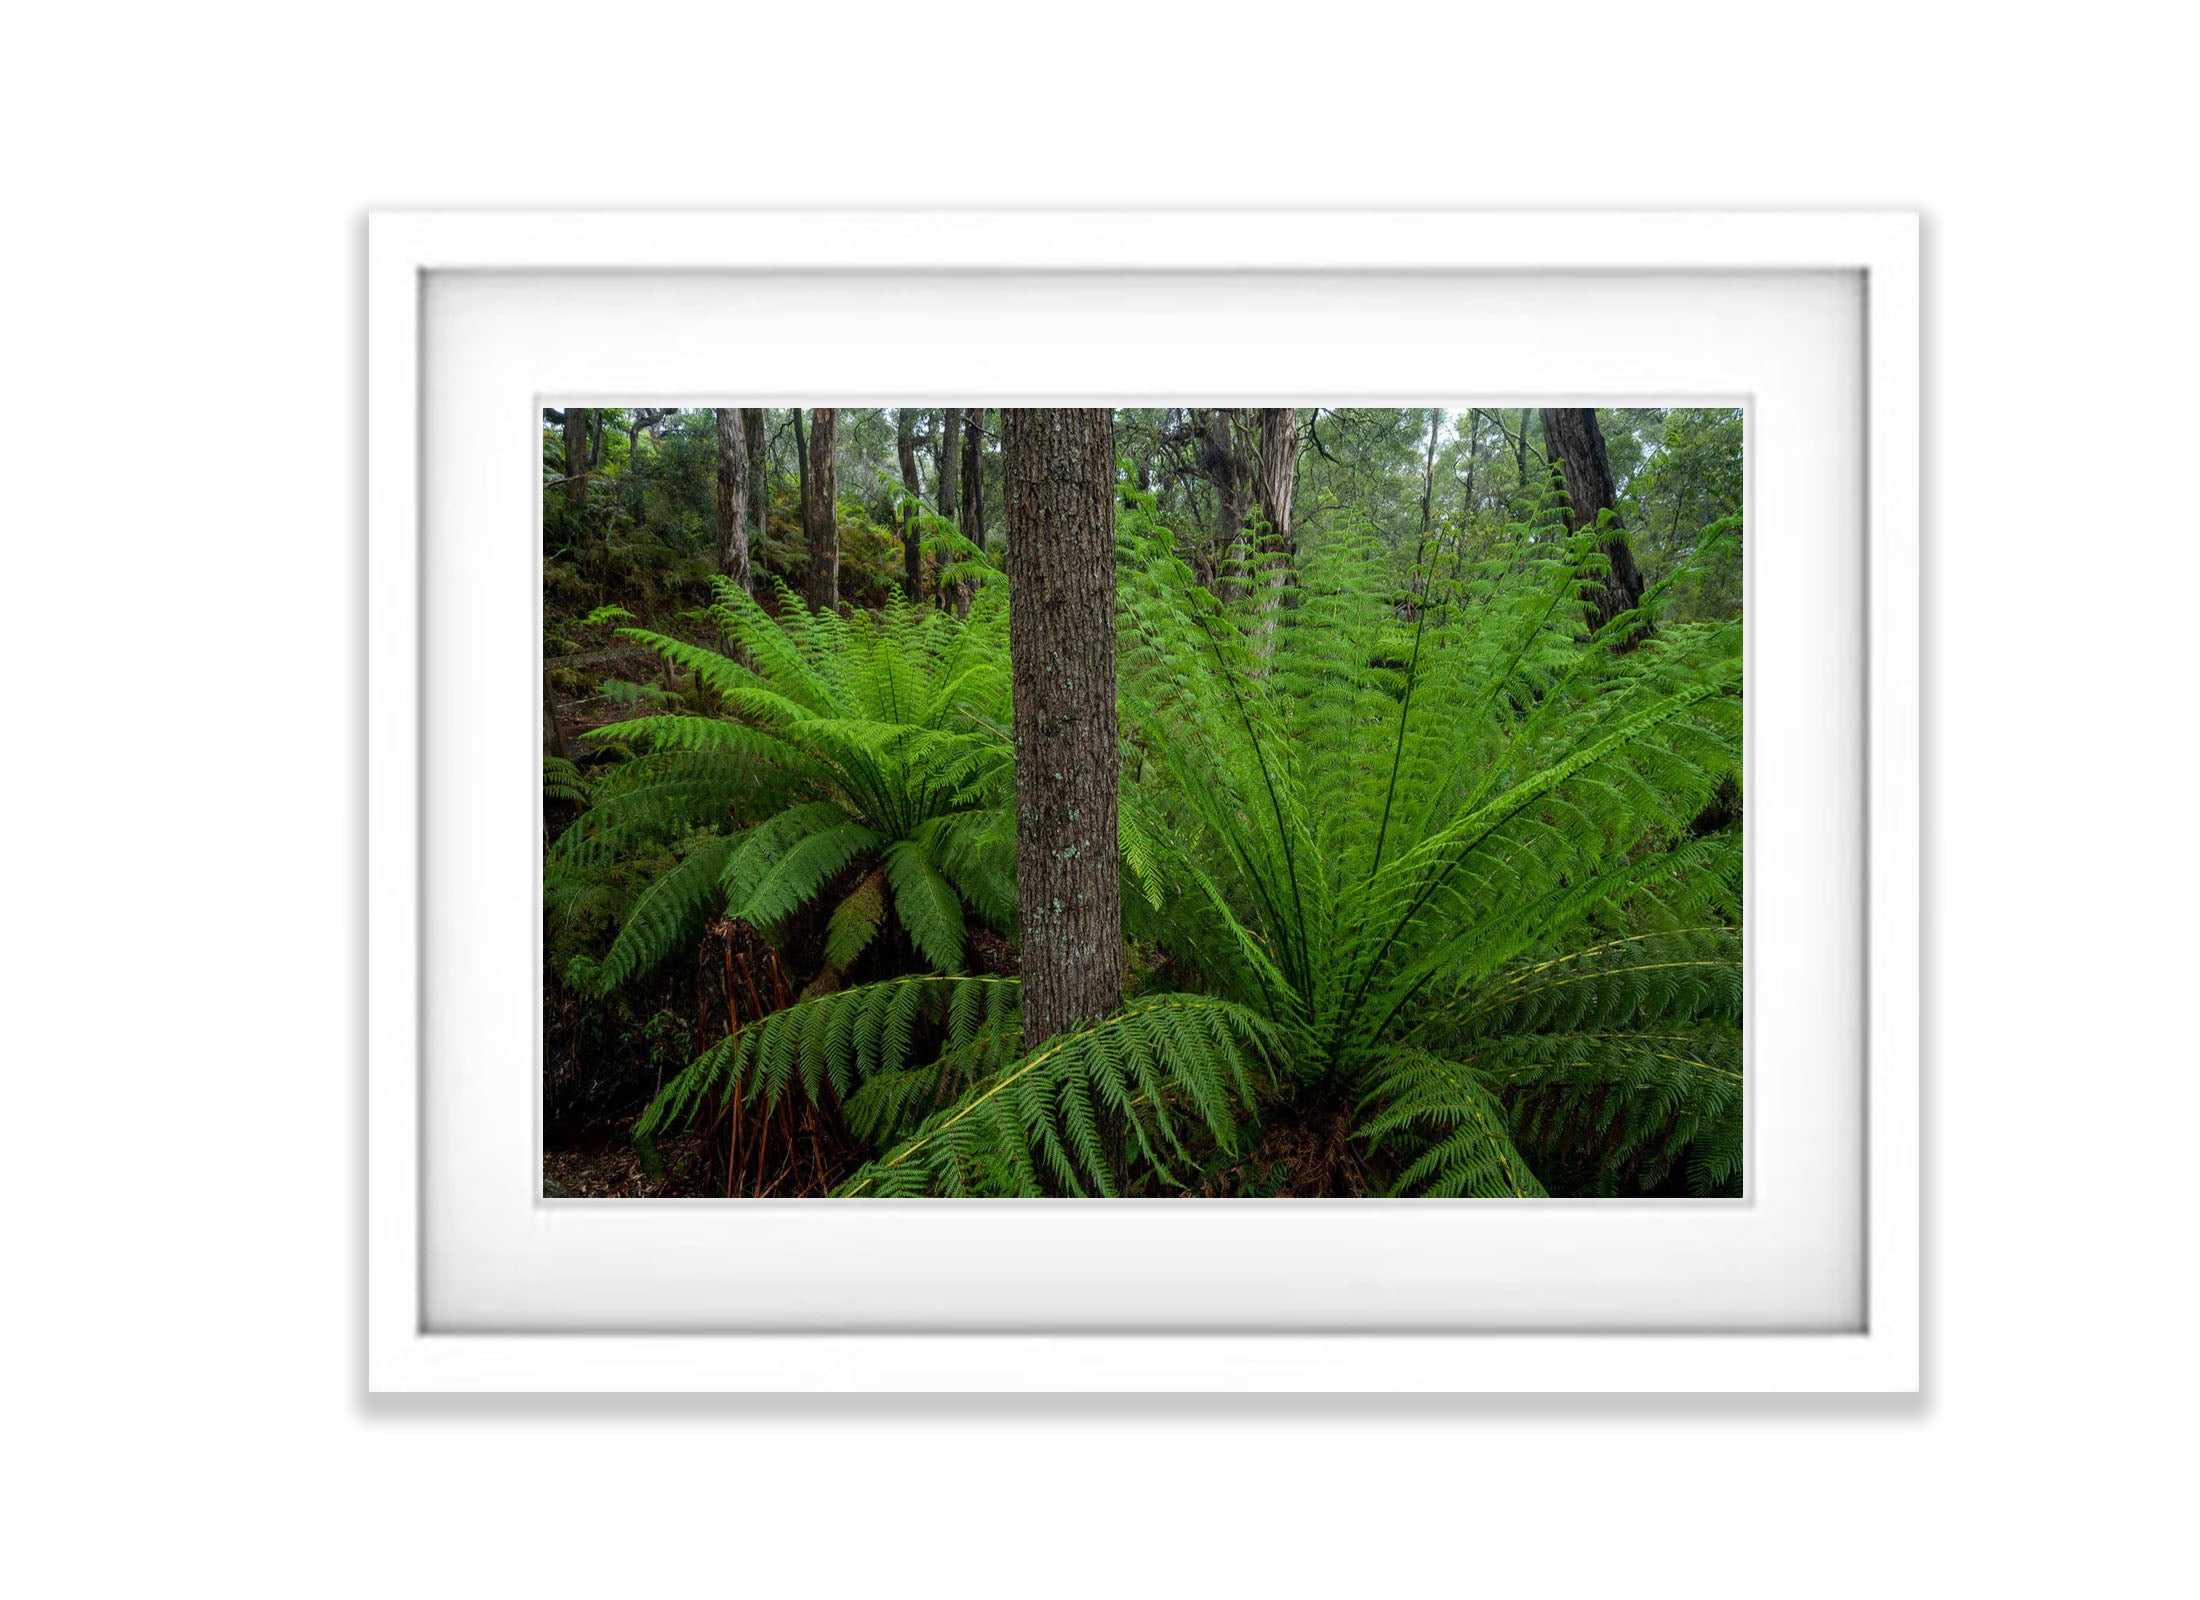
<point x="947" y="463"/>
<point x="1417" y="579"/>
<point x="820" y="514"/>
<point x="946" y="480"/>
<point x="973" y="494"/>
<point x="801" y="465"/>
<point x="973" y="478"/>
<point x="576" y="454"/>
<point x="1275" y="471"/>
<point x="1428" y="474"/>
<point x="553" y="725"/>
<point x="1058" y="472"/>
<point x="1576" y="443"/>
<point x="1222" y="459"/>
<point x="754" y="420"/>
<point x="912" y="547"/>
<point x="734" y="468"/>
<point x="1474" y="460"/>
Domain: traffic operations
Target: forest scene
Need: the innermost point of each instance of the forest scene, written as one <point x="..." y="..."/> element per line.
<point x="1220" y="802"/>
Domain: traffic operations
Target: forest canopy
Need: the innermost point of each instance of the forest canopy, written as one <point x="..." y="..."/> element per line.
<point x="1199" y="802"/>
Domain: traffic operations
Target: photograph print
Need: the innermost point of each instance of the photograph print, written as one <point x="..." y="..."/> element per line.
<point x="1222" y="802"/>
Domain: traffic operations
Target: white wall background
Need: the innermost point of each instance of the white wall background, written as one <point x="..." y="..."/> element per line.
<point x="180" y="341"/>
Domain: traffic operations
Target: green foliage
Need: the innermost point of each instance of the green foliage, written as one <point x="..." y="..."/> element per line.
<point x="1417" y="836"/>
<point x="1686" y="481"/>
<point x="832" y="741"/>
<point x="1138" y="1099"/>
<point x="932" y="1069"/>
<point x="561" y="780"/>
<point x="1428" y="854"/>
<point x="852" y="1037"/>
<point x="1429" y="889"/>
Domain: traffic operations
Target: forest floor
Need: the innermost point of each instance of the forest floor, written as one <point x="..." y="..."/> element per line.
<point x="613" y="1170"/>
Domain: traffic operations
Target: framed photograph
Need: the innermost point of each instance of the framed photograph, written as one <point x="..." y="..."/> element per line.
<point x="1143" y="801"/>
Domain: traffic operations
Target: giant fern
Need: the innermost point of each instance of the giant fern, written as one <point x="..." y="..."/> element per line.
<point x="1435" y="838"/>
<point x="1425" y="877"/>
<point x="831" y="742"/>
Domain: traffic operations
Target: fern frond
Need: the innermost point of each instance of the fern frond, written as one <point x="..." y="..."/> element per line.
<point x="1452" y="1124"/>
<point x="1091" y="1110"/>
<point x="927" y="905"/>
<point x="1623" y="1107"/>
<point x="670" y="913"/>
<point x="855" y="922"/>
<point x="561" y="780"/>
<point x="795" y="874"/>
<point x="835" y="1042"/>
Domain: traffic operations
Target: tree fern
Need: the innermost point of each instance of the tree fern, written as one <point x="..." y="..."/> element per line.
<point x="1147" y="1093"/>
<point x="1429" y="866"/>
<point x="824" y="743"/>
<point x="1435" y="839"/>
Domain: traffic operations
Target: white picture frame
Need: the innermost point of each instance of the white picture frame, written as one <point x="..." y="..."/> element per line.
<point x="847" y="1342"/>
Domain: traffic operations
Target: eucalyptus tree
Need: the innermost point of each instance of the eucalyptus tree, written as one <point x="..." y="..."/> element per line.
<point x="820" y="513"/>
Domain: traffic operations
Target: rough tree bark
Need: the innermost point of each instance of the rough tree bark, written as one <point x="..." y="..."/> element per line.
<point x="973" y="477"/>
<point x="820" y="512"/>
<point x="1058" y="472"/>
<point x="733" y="494"/>
<point x="912" y="549"/>
<point x="1275" y="469"/>
<point x="553" y="724"/>
<point x="946" y="478"/>
<point x="1576" y="444"/>
<point x="1222" y="460"/>
<point x="946" y="462"/>
<point x="576" y="454"/>
<point x="973" y="493"/>
<point x="801" y="470"/>
<point x="753" y="422"/>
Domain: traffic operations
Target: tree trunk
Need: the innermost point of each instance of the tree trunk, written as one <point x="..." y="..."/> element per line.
<point x="801" y="467"/>
<point x="973" y="494"/>
<point x="946" y="478"/>
<point x="753" y="422"/>
<point x="1418" y="576"/>
<point x="1058" y="472"/>
<point x="973" y="478"/>
<point x="947" y="462"/>
<point x="733" y="494"/>
<point x="1275" y="470"/>
<point x="912" y="547"/>
<point x="1576" y="444"/>
<point x="1428" y="474"/>
<point x="1474" y="460"/>
<point x="553" y="725"/>
<point x="1222" y="460"/>
<point x="576" y="454"/>
<point x="820" y="514"/>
